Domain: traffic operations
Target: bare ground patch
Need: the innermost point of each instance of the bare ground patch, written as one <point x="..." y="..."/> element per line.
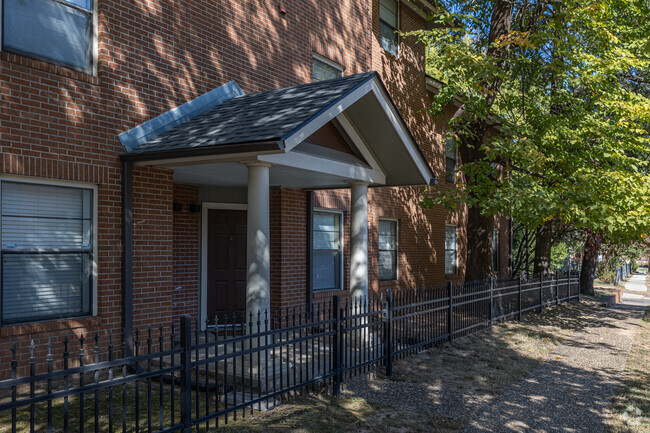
<point x="438" y="390"/>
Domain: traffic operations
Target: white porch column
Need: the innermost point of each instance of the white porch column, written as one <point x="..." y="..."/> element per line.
<point x="258" y="260"/>
<point x="359" y="241"/>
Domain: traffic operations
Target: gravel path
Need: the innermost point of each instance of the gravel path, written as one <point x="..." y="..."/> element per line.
<point x="571" y="391"/>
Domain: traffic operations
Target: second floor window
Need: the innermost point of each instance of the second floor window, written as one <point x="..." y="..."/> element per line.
<point x="495" y="250"/>
<point x="322" y="70"/>
<point x="451" y="155"/>
<point x="451" y="250"/>
<point x="387" y="250"/>
<point x="388" y="25"/>
<point x="55" y="31"/>
<point x="327" y="256"/>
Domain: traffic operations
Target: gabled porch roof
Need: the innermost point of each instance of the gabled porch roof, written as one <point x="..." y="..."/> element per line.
<point x="226" y="127"/>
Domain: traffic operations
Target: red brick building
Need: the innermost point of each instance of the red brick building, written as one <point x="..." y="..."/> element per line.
<point x="145" y="174"/>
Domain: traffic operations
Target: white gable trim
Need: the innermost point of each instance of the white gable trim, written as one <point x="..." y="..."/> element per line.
<point x="315" y="124"/>
<point x="337" y="110"/>
<point x="401" y="130"/>
<point x="351" y="131"/>
<point x="304" y="161"/>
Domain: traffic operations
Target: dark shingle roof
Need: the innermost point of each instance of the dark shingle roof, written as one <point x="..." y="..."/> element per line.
<point x="260" y="117"/>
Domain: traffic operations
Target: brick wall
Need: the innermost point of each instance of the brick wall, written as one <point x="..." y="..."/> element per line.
<point x="61" y="124"/>
<point x="186" y="252"/>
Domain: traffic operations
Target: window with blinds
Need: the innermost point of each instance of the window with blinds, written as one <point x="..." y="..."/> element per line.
<point x="387" y="250"/>
<point x="46" y="237"/>
<point x="58" y="31"/>
<point x="451" y="250"/>
<point x="327" y="251"/>
<point x="451" y="155"/>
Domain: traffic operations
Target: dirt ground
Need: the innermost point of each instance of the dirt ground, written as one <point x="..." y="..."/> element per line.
<point x="439" y="390"/>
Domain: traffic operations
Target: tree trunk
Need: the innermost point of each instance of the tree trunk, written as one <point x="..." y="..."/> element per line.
<point x="478" y="265"/>
<point x="589" y="263"/>
<point x="543" y="244"/>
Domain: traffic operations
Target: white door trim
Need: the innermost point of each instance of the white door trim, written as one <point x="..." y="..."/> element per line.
<point x="203" y="270"/>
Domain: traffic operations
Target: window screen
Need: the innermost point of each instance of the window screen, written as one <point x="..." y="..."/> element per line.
<point x="387" y="250"/>
<point x="388" y="24"/>
<point x="46" y="251"/>
<point x="327" y="251"/>
<point x="60" y="31"/>
<point x="451" y="153"/>
<point x="451" y="250"/>
<point x="322" y="71"/>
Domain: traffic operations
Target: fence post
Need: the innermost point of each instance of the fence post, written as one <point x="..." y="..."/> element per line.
<point x="568" y="285"/>
<point x="450" y="295"/>
<point x="491" y="286"/>
<point x="186" y="374"/>
<point x="541" y="291"/>
<point x="336" y="300"/>
<point x="519" y="299"/>
<point x="388" y="332"/>
<point x="557" y="287"/>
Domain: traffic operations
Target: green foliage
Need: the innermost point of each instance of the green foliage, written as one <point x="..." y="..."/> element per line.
<point x="608" y="277"/>
<point x="559" y="256"/>
<point x="566" y="87"/>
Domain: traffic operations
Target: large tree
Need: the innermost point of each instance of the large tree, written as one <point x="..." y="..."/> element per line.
<point x="560" y="79"/>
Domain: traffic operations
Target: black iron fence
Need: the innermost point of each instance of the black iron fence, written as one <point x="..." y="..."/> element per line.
<point x="622" y="272"/>
<point x="185" y="380"/>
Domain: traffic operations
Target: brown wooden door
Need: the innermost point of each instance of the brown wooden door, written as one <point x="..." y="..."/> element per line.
<point x="226" y="264"/>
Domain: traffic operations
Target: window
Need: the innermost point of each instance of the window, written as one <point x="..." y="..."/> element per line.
<point x="495" y="251"/>
<point x="322" y="70"/>
<point x="327" y="256"/>
<point x="47" y="251"/>
<point x="451" y="153"/>
<point x="388" y="25"/>
<point x="451" y="250"/>
<point x="387" y="250"/>
<point x="57" y="31"/>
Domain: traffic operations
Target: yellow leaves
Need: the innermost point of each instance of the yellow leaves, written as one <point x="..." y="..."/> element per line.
<point x="558" y="358"/>
<point x="516" y="38"/>
<point x="643" y="236"/>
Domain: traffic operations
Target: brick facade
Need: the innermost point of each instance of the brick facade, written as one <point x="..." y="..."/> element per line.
<point x="60" y="124"/>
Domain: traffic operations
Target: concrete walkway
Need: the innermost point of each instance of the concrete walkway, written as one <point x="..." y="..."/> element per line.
<point x="640" y="292"/>
<point x="571" y="391"/>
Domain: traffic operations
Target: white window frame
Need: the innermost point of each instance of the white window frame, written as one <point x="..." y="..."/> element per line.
<point x="455" y="173"/>
<point x="92" y="70"/>
<point x="328" y="62"/>
<point x="94" y="231"/>
<point x="396" y="221"/>
<point x="397" y="29"/>
<point x="341" y="247"/>
<point x="455" y="250"/>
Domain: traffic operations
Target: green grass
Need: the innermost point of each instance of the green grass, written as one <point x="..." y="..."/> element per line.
<point x="631" y="402"/>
